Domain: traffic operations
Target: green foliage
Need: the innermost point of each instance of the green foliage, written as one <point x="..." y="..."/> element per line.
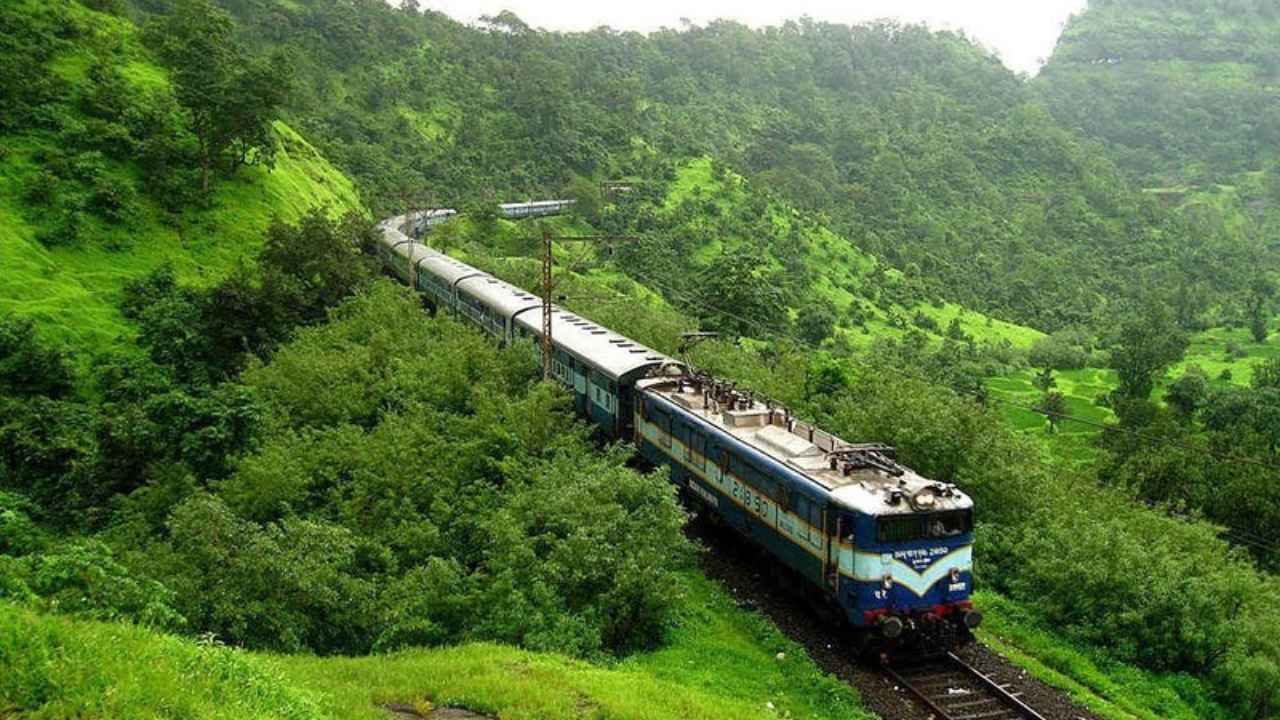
<point x="1185" y="90"/>
<point x="1266" y="374"/>
<point x="1187" y="394"/>
<point x="1106" y="687"/>
<point x="100" y="177"/>
<point x="407" y="485"/>
<point x="816" y="321"/>
<point x="28" y="366"/>
<point x="207" y="334"/>
<point x="952" y="167"/>
<point x="738" y="293"/>
<point x="82" y="577"/>
<point x="20" y="534"/>
<point x="288" y="586"/>
<point x="1044" y="380"/>
<point x="45" y="448"/>
<point x="1180" y="596"/>
<point x="1147" y="342"/>
<point x="1054" y="406"/>
<point x="580" y="558"/>
<point x="1062" y="350"/>
<point x="231" y="97"/>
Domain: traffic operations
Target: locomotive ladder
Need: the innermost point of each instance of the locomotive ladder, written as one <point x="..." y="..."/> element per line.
<point x="955" y="690"/>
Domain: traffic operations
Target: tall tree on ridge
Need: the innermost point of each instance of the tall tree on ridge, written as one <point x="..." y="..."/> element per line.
<point x="230" y="96"/>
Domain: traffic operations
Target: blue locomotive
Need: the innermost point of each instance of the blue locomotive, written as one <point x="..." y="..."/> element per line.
<point x="889" y="549"/>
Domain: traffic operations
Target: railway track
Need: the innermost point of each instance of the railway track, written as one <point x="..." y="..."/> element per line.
<point x="954" y="690"/>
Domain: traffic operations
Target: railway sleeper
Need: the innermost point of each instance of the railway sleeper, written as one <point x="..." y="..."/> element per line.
<point x="943" y="689"/>
<point x="973" y="703"/>
<point x="1001" y="713"/>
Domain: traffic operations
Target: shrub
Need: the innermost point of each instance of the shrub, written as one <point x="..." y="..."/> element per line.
<point x="1167" y="596"/>
<point x="113" y="199"/>
<point x="42" y="189"/>
<point x="1063" y="350"/>
<point x="82" y="577"/>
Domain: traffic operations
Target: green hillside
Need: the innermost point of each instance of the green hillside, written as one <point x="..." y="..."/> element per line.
<point x="1185" y="90"/>
<point x="81" y="214"/>
<point x="720" y="663"/>
<point x="1184" y="93"/>
<point x="894" y="236"/>
<point x="918" y="148"/>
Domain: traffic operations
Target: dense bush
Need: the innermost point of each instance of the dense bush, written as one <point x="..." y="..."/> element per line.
<point x="1062" y="350"/>
<point x="1169" y="594"/>
<point x="411" y="485"/>
<point x="82" y="577"/>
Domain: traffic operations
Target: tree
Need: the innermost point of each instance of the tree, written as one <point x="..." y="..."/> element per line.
<point x="1261" y="290"/>
<point x="1187" y="393"/>
<point x="27" y="366"/>
<point x="739" y="293"/>
<point x="816" y="320"/>
<point x="230" y="96"/>
<point x="1266" y="374"/>
<point x="1147" y="342"/>
<point x="1054" y="406"/>
<point x="1044" y="380"/>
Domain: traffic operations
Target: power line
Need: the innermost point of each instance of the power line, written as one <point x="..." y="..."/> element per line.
<point x="1150" y="439"/>
<point x="1230" y="533"/>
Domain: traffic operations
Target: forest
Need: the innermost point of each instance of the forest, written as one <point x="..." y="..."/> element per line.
<point x="218" y="421"/>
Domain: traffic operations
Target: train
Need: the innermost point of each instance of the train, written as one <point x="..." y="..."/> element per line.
<point x="889" y="551"/>
<point x="533" y="209"/>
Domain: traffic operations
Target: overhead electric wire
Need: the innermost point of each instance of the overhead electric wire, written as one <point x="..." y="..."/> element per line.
<point x="981" y="395"/>
<point x="1230" y="533"/>
<point x="1150" y="439"/>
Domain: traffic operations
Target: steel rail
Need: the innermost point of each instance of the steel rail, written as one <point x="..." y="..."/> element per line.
<point x="951" y="673"/>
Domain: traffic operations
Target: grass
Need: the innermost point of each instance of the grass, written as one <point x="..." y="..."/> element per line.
<point x="1226" y="355"/>
<point x="720" y="662"/>
<point x="1109" y="689"/>
<point x="55" y="667"/>
<point x="1209" y="351"/>
<point x="71" y="291"/>
<point x="70" y="288"/>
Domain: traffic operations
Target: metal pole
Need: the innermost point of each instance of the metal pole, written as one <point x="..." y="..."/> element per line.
<point x="547" y="288"/>
<point x="549" y="285"/>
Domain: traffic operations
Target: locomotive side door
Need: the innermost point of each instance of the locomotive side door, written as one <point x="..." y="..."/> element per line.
<point x="839" y="534"/>
<point x="697" y="452"/>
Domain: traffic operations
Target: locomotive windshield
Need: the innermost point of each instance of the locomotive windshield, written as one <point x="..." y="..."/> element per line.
<point x="904" y="528"/>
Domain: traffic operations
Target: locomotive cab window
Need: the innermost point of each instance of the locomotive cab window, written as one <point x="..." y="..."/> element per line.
<point x="944" y="525"/>
<point x="899" y="528"/>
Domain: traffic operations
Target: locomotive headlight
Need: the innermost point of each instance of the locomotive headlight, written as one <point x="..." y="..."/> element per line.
<point x="955" y="575"/>
<point x="924" y="499"/>
<point x="887" y="582"/>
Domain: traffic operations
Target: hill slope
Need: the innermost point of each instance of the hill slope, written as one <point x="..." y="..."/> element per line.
<point x="83" y="210"/>
<point x="1185" y="90"/>
<point x="918" y="148"/>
